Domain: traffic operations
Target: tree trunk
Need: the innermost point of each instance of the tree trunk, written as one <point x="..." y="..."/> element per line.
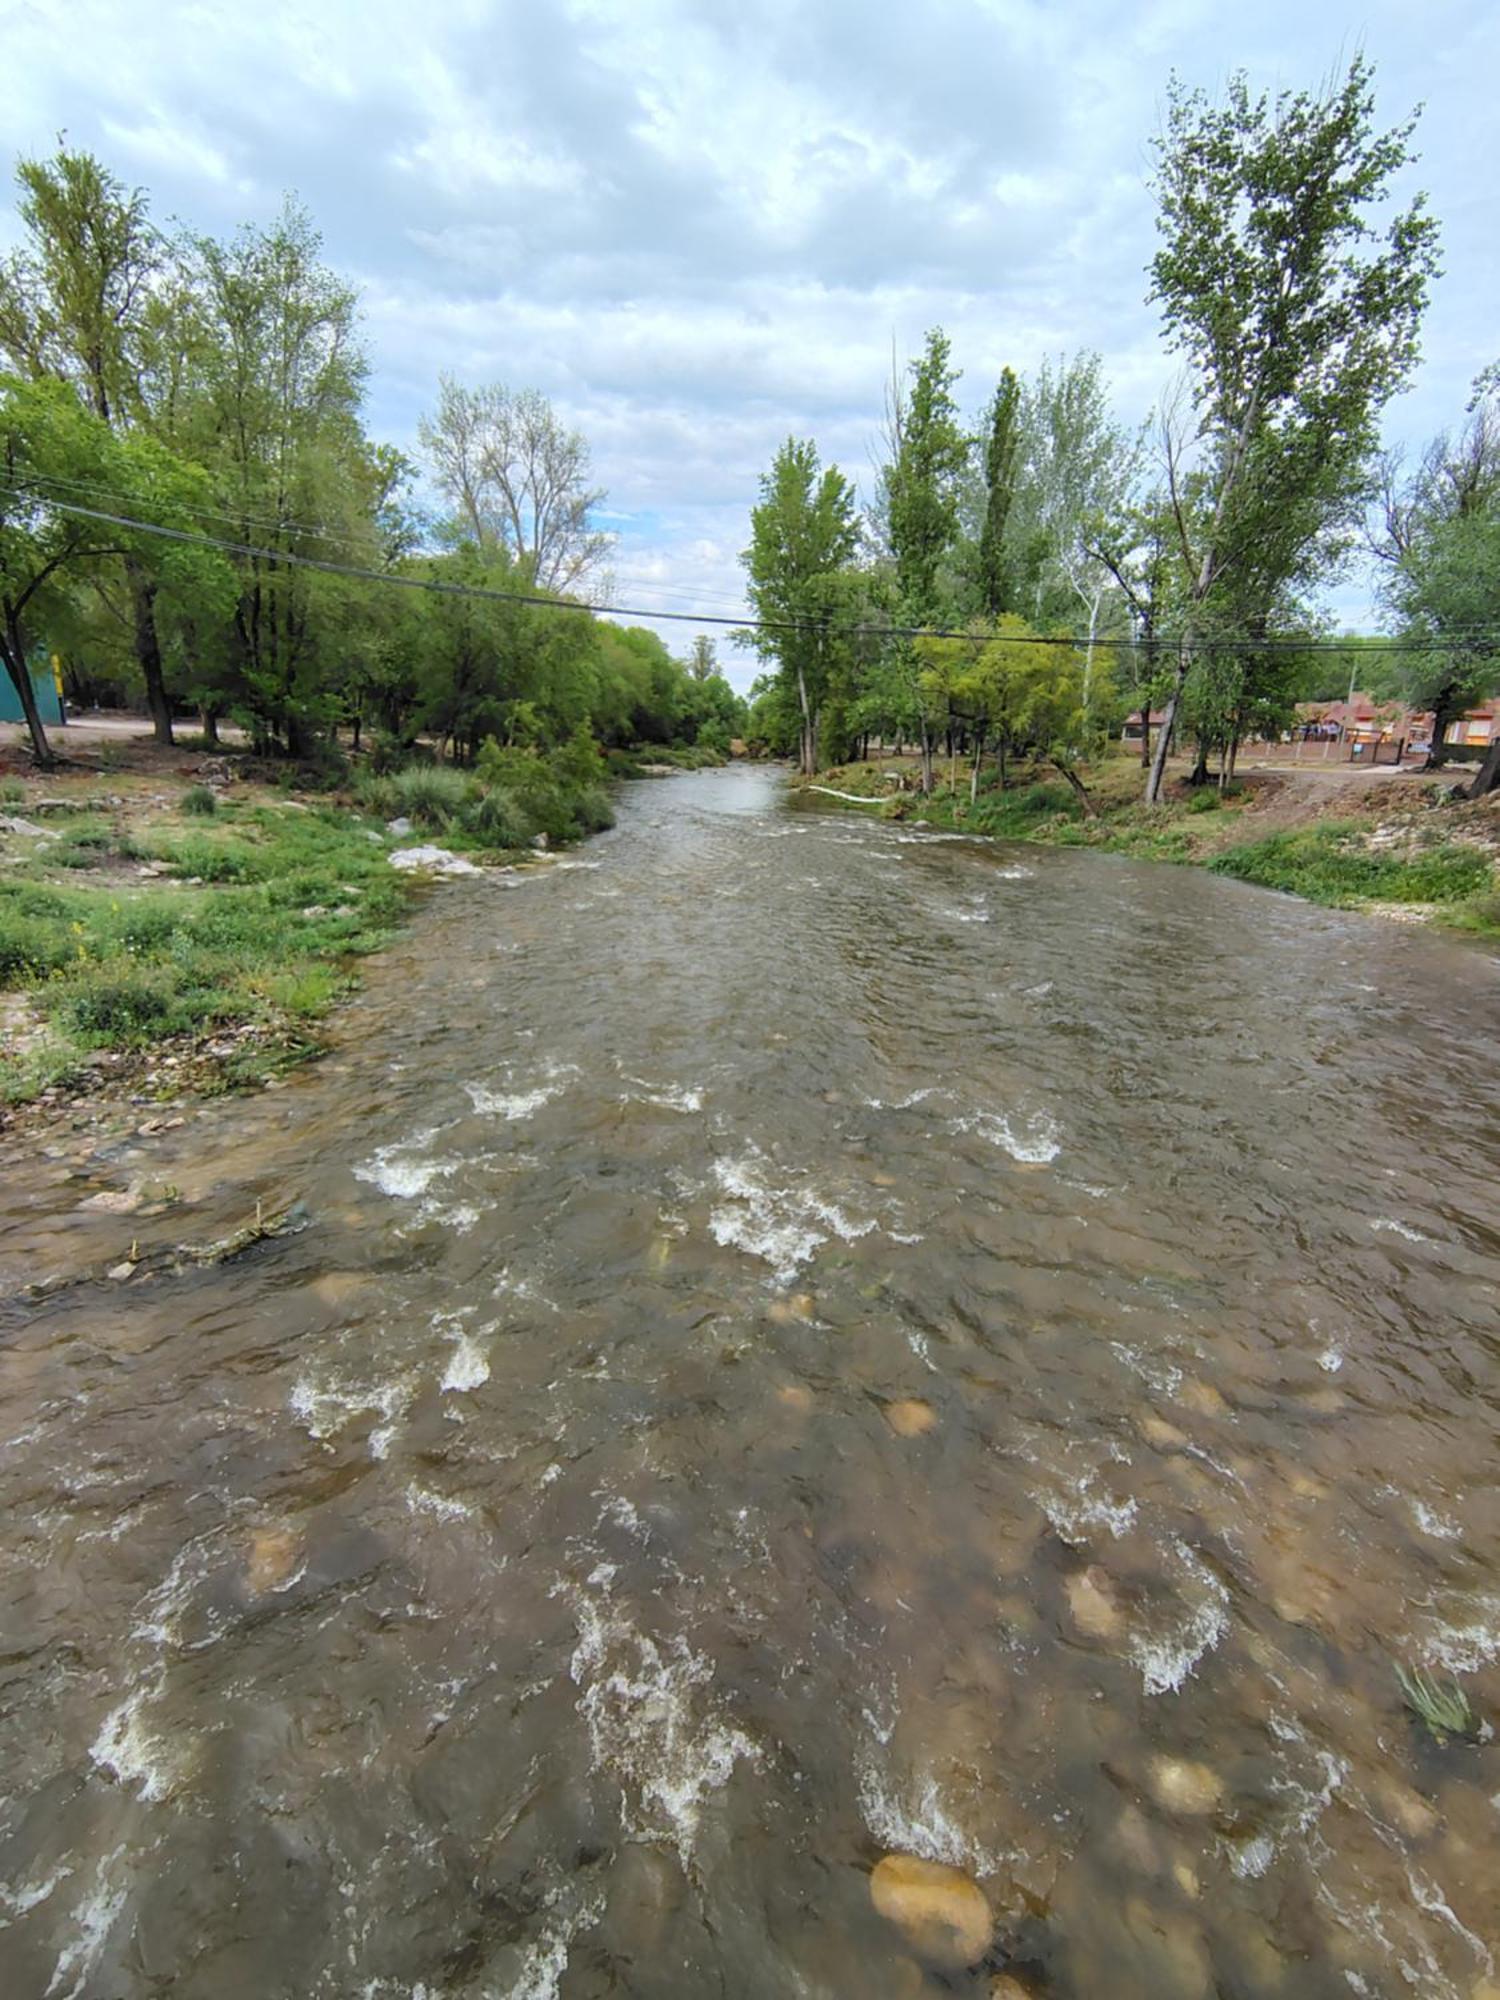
<point x="1146" y="738"/>
<point x="1488" y="779"/>
<point x="210" y="721"/>
<point x="1443" y="712"/>
<point x="974" y="769"/>
<point x="1164" y="734"/>
<point x="17" y="667"/>
<point x="148" y="650"/>
<point x="1090" y="810"/>
<point x="808" y="745"/>
<point x="926" y="760"/>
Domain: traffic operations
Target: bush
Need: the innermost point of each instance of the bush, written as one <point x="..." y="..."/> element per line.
<point x="496" y="818"/>
<point x="31" y="946"/>
<point x="200" y="800"/>
<point x="593" y="810"/>
<point x="1204" y="800"/>
<point x="121" y="1007"/>
<point x="435" y="794"/>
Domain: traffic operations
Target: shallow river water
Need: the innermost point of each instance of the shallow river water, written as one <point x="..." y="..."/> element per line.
<point x="810" y="1339"/>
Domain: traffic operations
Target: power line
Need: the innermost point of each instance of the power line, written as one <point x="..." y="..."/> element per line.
<point x="439" y="586"/>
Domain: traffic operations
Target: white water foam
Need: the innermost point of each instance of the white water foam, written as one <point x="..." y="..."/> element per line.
<point x="783" y="1226"/>
<point x="1033" y="1140"/>
<point x="539" y="1976"/>
<point x="1392" y="1228"/>
<point x="129" y="1750"/>
<point x="401" y="1169"/>
<point x="95" y="1918"/>
<point x="470" y="1366"/>
<point x="915" y="1819"/>
<point x="323" y="1408"/>
<point x="1078" y="1510"/>
<point x="1166" y="1660"/>
<point x="1439" y="1526"/>
<point x="1468" y="1642"/>
<point x="654" y="1724"/>
<point x="422" y="1500"/>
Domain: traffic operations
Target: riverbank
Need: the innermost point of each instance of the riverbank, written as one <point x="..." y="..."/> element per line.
<point x="1397" y="844"/>
<point x="175" y="922"/>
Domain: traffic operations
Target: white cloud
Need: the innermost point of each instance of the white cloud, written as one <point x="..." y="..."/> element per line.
<point x="700" y="228"/>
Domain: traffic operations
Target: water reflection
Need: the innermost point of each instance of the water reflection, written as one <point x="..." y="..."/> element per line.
<point x="812" y="1340"/>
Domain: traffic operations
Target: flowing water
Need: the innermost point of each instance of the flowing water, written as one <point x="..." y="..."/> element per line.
<point x="809" y="1339"/>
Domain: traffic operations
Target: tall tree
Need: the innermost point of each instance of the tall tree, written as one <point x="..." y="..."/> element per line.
<point x="1438" y="534"/>
<point x="518" y="479"/>
<point x="1002" y="465"/>
<point x="803" y="536"/>
<point x="74" y="301"/>
<point x="1297" y="319"/>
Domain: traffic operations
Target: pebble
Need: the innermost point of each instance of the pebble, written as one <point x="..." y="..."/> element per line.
<point x="120" y="1272"/>
<point x="1093" y="1603"/>
<point x="910" y="1417"/>
<point x="1156" y="1430"/>
<point x="113" y="1201"/>
<point x="273" y="1556"/>
<point x="942" y="1911"/>
<point x="1006" y="1986"/>
<point x="1182" y="1787"/>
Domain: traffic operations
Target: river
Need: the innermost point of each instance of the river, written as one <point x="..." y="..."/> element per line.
<point x="810" y="1339"/>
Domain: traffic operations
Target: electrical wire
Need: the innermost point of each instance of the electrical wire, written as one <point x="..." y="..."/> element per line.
<point x="442" y="587"/>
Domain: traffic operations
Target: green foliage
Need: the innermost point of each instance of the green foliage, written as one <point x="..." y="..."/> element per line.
<point x="1328" y="864"/>
<point x="1204" y="800"/>
<point x="496" y="818"/>
<point x="433" y="794"/>
<point x="200" y="800"/>
<point x="1446" y="1711"/>
<point x="803" y="538"/>
<point x="114" y="967"/>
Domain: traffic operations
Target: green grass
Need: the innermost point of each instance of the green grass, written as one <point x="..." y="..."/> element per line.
<point x="1329" y="863"/>
<point x="1445" y="1711"/>
<point x="262" y="927"/>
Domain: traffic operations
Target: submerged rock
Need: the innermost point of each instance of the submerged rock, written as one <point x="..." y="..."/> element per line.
<point x="273" y="1557"/>
<point x="1094" y="1604"/>
<point x="910" y="1417"/>
<point x="1183" y="1787"/>
<point x="943" y="1912"/>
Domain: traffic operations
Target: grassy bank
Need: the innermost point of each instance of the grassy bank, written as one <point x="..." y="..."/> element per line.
<point x="158" y="932"/>
<point x="148" y="939"/>
<point x="1404" y="844"/>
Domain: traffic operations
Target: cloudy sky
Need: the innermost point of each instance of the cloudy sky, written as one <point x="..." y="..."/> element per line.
<point x="700" y="227"/>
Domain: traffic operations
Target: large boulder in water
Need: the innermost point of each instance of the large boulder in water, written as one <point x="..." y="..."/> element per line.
<point x="942" y="1911"/>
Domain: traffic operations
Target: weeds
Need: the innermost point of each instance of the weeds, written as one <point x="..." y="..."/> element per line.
<point x="1446" y="1711"/>
<point x="1329" y="864"/>
<point x="200" y="800"/>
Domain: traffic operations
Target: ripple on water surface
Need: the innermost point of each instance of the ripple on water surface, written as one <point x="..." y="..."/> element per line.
<point x="812" y="1340"/>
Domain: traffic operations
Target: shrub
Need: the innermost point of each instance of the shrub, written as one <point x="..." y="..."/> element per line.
<point x="435" y="794"/>
<point x="1204" y="800"/>
<point x="495" y="817"/>
<point x="593" y="810"/>
<point x="212" y="860"/>
<point x="387" y="754"/>
<point x="120" y="1006"/>
<point x="200" y="800"/>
